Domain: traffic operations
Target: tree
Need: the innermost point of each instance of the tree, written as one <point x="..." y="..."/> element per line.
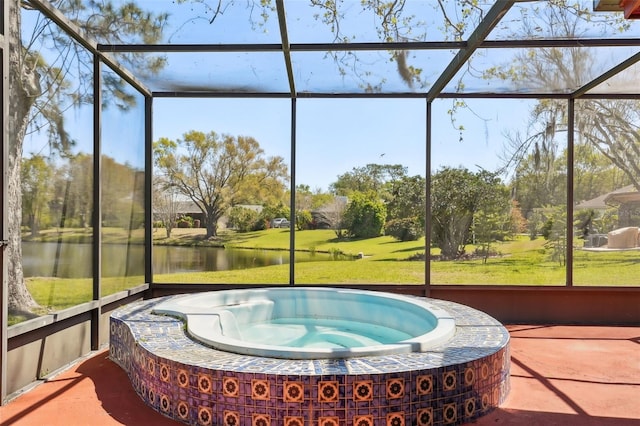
<point x="594" y="174"/>
<point x="272" y="211"/>
<point x="80" y="172"/>
<point x="165" y="204"/>
<point x="406" y="208"/>
<point x="122" y="195"/>
<point x="408" y="198"/>
<point x="492" y="221"/>
<point x="365" y="215"/>
<point x="407" y="229"/>
<point x="36" y="183"/>
<point x="304" y="219"/>
<point x="555" y="232"/>
<point x="536" y="184"/>
<point x="370" y="178"/>
<point x="609" y="126"/>
<point x="457" y="194"/>
<point x="517" y="222"/>
<point x="39" y="93"/>
<point x="215" y="171"/>
<point x="331" y="215"/>
<point x="394" y="21"/>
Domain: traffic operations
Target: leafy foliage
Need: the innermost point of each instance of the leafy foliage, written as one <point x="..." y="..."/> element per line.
<point x="405" y="229"/>
<point x="555" y="232"/>
<point x="303" y="219"/>
<point x="364" y="216"/>
<point x="457" y="194"/>
<point x="36" y="184"/>
<point x="370" y="178"/>
<point x="408" y="201"/>
<point x="243" y="219"/>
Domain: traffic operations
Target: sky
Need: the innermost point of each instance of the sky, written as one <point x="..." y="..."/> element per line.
<point x="336" y="135"/>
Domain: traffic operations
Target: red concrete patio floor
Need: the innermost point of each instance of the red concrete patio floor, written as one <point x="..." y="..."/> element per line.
<point x="560" y="375"/>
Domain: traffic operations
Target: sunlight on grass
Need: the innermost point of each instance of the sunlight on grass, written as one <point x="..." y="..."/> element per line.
<point x="519" y="262"/>
<point x="334" y="272"/>
<point x="61" y="293"/>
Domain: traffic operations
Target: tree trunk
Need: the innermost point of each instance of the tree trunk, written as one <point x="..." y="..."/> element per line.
<point x="24" y="87"/>
<point x="212" y="226"/>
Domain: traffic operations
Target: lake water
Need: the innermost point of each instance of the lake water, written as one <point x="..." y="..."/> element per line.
<point x="68" y="260"/>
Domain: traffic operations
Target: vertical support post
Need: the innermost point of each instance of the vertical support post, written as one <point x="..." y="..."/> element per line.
<point x="4" y="139"/>
<point x="97" y="200"/>
<point x="570" y="181"/>
<point x="148" y="192"/>
<point x="427" y="225"/>
<point x="292" y="201"/>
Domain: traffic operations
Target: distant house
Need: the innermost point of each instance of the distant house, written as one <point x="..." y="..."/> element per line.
<point x="628" y="202"/>
<point x="626" y="199"/>
<point x="602" y="202"/>
<point x="190" y="209"/>
<point x="185" y="207"/>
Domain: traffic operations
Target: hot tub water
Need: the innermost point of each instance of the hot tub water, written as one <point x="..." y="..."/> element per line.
<point x="321" y="333"/>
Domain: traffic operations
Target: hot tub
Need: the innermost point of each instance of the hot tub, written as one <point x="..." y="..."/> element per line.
<point x="432" y="378"/>
<point x="311" y="323"/>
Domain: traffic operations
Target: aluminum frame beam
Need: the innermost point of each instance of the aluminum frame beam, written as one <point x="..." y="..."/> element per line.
<point x="4" y="139"/>
<point x="495" y="14"/>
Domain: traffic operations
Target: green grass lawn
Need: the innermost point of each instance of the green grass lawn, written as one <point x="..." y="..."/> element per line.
<point x="519" y="262"/>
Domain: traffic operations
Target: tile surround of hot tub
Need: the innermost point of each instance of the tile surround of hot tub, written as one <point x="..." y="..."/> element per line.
<point x="448" y="385"/>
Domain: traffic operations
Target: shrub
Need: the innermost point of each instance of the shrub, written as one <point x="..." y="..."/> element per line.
<point x="303" y="219"/>
<point x="185" y="222"/>
<point x="243" y="219"/>
<point x="364" y="216"/>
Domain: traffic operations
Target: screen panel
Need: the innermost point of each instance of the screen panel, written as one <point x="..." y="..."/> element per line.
<point x="606" y="216"/>
<point x="361" y="174"/>
<point x="122" y="185"/>
<point x="498" y="192"/>
<point x="50" y="171"/>
<point x="222" y="190"/>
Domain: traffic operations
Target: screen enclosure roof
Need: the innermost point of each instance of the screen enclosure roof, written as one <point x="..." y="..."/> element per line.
<point x="353" y="48"/>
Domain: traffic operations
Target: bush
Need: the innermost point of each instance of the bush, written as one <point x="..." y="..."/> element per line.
<point x="546" y="228"/>
<point x="364" y="216"/>
<point x="185" y="222"/>
<point x="243" y="219"/>
<point x="406" y="229"/>
<point x="303" y="219"/>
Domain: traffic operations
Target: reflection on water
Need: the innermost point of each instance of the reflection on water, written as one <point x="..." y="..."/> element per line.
<point x="72" y="260"/>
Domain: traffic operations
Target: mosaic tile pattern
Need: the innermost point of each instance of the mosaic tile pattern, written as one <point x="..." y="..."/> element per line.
<point x="449" y="385"/>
